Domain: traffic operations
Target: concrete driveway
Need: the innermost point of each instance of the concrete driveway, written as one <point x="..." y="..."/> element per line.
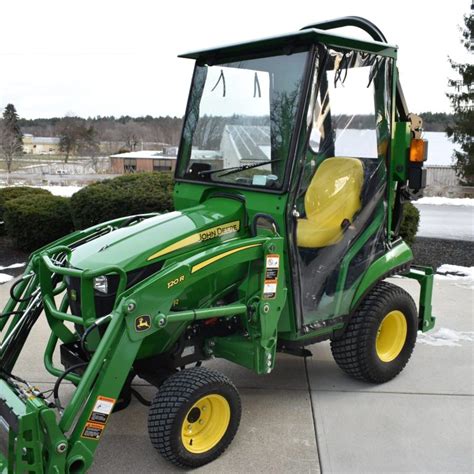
<point x="307" y="416"/>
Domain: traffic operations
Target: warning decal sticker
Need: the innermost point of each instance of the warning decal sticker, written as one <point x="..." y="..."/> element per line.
<point x="272" y="266"/>
<point x="93" y="430"/>
<point x="102" y="409"/>
<point x="98" y="418"/>
<point x="269" y="289"/>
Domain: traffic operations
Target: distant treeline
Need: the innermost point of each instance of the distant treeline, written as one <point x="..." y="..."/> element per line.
<point x="134" y="130"/>
<point x="130" y="131"/>
<point x="437" y="121"/>
<point x="432" y="122"/>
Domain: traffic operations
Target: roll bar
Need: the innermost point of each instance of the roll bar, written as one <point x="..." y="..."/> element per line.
<point x="356" y="21"/>
<point x="377" y="35"/>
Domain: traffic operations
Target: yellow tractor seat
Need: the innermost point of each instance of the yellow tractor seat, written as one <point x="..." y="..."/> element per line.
<point x="331" y="201"/>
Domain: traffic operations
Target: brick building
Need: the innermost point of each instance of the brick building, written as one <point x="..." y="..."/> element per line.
<point x="152" y="160"/>
<point x="145" y="160"/>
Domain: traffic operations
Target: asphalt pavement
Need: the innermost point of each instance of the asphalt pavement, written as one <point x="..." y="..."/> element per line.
<point x="446" y="221"/>
<point x="308" y="416"/>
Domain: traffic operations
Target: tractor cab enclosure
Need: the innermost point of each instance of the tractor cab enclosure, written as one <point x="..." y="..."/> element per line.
<point x="299" y="129"/>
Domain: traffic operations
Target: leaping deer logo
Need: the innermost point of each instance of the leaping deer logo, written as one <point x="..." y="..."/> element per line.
<point x="142" y="323"/>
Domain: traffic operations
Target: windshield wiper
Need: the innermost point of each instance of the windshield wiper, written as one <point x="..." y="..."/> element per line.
<point x="236" y="169"/>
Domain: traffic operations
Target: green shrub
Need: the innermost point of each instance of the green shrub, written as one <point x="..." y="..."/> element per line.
<point x="13" y="192"/>
<point x="129" y="194"/>
<point x="32" y="223"/>
<point x="410" y="222"/>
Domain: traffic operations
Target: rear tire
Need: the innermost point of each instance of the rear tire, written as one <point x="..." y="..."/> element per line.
<point x="194" y="417"/>
<point x="380" y="336"/>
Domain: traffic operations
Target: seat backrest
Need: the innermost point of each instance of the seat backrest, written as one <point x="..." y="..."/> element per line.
<point x="335" y="189"/>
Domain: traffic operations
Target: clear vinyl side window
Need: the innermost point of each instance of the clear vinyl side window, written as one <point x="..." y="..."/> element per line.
<point x="341" y="189"/>
<point x="347" y="113"/>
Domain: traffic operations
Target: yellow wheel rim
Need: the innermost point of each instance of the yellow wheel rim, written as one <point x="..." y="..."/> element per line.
<point x="205" y="424"/>
<point x="391" y="336"/>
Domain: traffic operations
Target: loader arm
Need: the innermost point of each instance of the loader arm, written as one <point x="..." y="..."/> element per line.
<point x="71" y="442"/>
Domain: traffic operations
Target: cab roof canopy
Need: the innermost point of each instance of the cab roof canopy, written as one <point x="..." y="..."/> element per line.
<point x="293" y="41"/>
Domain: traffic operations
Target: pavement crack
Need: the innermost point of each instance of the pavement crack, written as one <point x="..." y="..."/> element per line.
<point x="313" y="414"/>
<point x="383" y="392"/>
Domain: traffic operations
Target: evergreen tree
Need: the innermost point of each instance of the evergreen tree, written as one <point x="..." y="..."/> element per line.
<point x="462" y="102"/>
<point x="11" y="138"/>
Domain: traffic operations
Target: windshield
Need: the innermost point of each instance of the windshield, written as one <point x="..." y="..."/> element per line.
<point x="240" y="120"/>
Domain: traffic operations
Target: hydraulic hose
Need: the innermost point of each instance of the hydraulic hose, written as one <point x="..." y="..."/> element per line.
<point x="88" y="330"/>
<point x="57" y="402"/>
<point x="10" y="313"/>
<point x="13" y="287"/>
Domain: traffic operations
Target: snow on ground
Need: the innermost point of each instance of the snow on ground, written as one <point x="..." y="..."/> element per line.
<point x="68" y="191"/>
<point x="4" y="278"/>
<point x="445" y="201"/>
<point x="65" y="191"/>
<point x="464" y="276"/>
<point x="12" y="266"/>
<point x="445" y="337"/>
<point x="456" y="273"/>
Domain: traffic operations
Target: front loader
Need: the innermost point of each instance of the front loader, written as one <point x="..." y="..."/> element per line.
<point x="296" y="157"/>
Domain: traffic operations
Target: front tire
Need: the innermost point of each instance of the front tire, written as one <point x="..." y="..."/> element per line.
<point x="380" y="336"/>
<point x="194" y="417"/>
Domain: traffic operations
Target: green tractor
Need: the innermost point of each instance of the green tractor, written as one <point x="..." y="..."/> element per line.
<point x="297" y="155"/>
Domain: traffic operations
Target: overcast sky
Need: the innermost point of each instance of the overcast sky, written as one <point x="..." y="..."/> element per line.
<point x="119" y="57"/>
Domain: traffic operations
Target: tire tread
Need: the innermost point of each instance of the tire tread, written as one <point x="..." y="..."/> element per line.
<point x="349" y="351"/>
<point x="176" y="391"/>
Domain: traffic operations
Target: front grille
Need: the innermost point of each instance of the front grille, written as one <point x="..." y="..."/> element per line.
<point x="105" y="303"/>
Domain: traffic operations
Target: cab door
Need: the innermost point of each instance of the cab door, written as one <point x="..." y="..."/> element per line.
<point x="338" y="210"/>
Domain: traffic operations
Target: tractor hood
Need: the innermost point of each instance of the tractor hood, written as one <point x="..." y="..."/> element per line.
<point x="157" y="238"/>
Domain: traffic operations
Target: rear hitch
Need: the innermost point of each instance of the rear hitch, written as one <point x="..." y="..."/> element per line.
<point x="424" y="276"/>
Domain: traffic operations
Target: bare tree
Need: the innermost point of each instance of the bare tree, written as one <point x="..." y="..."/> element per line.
<point x="69" y="132"/>
<point x="76" y="137"/>
<point x="88" y="145"/>
<point x="132" y="134"/>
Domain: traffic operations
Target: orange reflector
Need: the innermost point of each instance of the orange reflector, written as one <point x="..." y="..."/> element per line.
<point x="418" y="150"/>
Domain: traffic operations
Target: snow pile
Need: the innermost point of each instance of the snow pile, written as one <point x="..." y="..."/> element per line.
<point x="455" y="273"/>
<point x="12" y="266"/>
<point x="445" y="337"/>
<point x="445" y="201"/>
<point x="4" y="278"/>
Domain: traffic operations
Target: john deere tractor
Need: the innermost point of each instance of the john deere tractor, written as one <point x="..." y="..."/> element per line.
<point x="296" y="157"/>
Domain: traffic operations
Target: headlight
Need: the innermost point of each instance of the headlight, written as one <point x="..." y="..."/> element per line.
<point x="101" y="284"/>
